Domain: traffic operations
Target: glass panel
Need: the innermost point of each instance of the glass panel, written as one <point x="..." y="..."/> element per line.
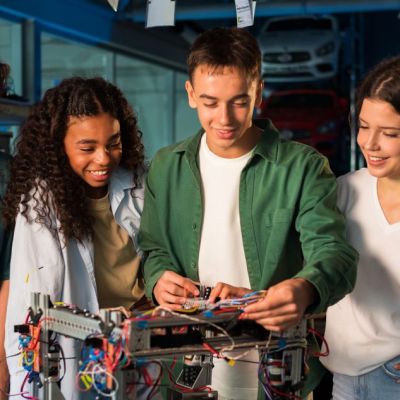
<point x="11" y="54"/>
<point x="62" y="58"/>
<point x="148" y="88"/>
<point x="186" y="121"/>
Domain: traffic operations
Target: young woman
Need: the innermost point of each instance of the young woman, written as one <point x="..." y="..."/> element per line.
<point x="75" y="196"/>
<point x="363" y="329"/>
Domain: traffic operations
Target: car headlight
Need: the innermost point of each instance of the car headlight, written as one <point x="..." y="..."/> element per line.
<point x="327" y="127"/>
<point x="327" y="48"/>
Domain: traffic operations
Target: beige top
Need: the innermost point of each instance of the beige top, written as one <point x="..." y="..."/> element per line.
<point x="116" y="263"/>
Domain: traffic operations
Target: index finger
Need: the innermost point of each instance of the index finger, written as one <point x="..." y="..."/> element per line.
<point x="215" y="292"/>
<point x="187" y="284"/>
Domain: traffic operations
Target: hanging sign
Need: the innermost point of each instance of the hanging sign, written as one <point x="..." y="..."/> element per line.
<point x="160" y="13"/>
<point x="245" y="10"/>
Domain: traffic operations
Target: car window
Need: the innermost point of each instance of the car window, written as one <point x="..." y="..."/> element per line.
<point x="301" y="101"/>
<point x="300" y="24"/>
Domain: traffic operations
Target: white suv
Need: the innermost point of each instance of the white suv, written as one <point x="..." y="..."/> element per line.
<point x="300" y="48"/>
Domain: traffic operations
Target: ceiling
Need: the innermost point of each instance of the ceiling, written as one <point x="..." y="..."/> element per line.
<point x="96" y="22"/>
<point x="194" y="16"/>
<point x="206" y="10"/>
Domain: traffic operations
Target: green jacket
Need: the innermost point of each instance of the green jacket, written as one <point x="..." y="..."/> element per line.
<point x="289" y="220"/>
<point x="6" y="234"/>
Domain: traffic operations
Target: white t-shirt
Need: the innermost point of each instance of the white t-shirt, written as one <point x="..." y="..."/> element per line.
<point x="222" y="259"/>
<point x="363" y="329"/>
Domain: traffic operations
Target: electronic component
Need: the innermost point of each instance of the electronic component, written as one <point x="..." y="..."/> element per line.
<point x="199" y="303"/>
<point x="196" y="371"/>
<point x="113" y="347"/>
<point x="204" y="291"/>
<point x="282" y="363"/>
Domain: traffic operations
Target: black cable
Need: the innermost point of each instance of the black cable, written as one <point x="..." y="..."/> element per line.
<point x="157" y="382"/>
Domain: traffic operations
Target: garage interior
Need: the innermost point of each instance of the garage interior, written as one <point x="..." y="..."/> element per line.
<point x="46" y="41"/>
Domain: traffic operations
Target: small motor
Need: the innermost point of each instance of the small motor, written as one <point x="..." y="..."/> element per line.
<point x="199" y="303"/>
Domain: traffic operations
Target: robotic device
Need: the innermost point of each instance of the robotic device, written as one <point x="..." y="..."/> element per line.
<point x="113" y="348"/>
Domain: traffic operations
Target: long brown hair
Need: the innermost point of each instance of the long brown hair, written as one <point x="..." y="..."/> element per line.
<point x="381" y="83"/>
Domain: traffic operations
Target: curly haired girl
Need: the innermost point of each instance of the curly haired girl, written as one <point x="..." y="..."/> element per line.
<point x="75" y="197"/>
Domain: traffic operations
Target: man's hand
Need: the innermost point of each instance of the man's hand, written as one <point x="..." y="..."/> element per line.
<point x="283" y="306"/>
<point x="172" y="290"/>
<point x="225" y="291"/>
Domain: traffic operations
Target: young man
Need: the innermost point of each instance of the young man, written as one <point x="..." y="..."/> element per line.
<point x="237" y="209"/>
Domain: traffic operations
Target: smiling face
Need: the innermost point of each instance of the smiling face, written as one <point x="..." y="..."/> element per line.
<point x="379" y="138"/>
<point x="93" y="147"/>
<point x="225" y="99"/>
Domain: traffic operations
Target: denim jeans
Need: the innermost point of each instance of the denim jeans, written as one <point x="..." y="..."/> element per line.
<point x="382" y="383"/>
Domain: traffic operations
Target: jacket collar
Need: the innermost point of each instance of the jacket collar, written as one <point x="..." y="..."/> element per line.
<point x="267" y="147"/>
<point x="121" y="180"/>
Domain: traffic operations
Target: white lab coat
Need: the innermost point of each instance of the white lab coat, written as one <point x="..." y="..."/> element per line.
<point x="42" y="263"/>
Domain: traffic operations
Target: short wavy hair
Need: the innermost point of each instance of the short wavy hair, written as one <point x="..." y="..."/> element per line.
<point x="41" y="171"/>
<point x="226" y="47"/>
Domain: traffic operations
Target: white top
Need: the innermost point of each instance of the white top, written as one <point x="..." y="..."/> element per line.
<point x="363" y="329"/>
<point x="41" y="262"/>
<point x="222" y="259"/>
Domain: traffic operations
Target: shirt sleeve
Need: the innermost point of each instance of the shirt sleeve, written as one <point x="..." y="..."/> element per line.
<point x="329" y="261"/>
<point x="151" y="237"/>
<point x="36" y="266"/>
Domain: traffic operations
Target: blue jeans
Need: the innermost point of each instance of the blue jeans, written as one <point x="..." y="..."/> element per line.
<point x="382" y="383"/>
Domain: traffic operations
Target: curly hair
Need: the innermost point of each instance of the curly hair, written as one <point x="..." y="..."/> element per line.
<point x="40" y="171"/>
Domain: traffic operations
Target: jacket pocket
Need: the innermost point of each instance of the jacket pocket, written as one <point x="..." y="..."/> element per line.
<point x="392" y="368"/>
<point x="280" y="215"/>
<point x="278" y="222"/>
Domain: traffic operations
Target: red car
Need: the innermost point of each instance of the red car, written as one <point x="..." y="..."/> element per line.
<point x="312" y="116"/>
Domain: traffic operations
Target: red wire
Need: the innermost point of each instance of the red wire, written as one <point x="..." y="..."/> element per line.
<point x="157" y="381"/>
<point x="172" y="366"/>
<point x="27" y="317"/>
<point x="319" y="354"/>
<point x="225" y="310"/>
<point x="211" y="349"/>
<point x="279" y="392"/>
<point x="287" y="395"/>
<point x="22" y="390"/>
